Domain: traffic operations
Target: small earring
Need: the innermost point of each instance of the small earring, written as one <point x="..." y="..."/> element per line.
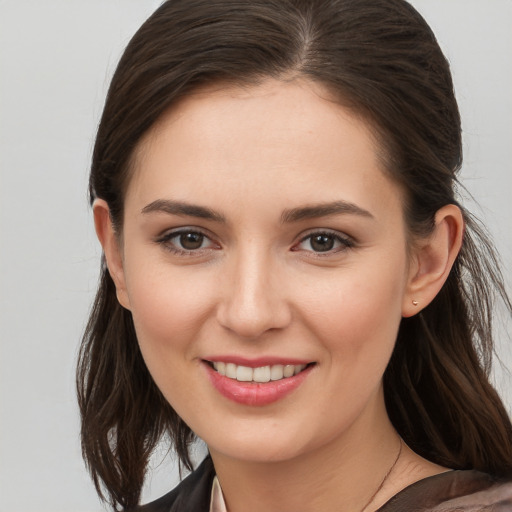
<point x="415" y="302"/>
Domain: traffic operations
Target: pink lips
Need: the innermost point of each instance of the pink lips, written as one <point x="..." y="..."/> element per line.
<point x="255" y="393"/>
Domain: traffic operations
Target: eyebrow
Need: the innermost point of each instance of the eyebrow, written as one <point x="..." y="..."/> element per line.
<point x="323" y="210"/>
<point x="293" y="215"/>
<point x="184" y="209"/>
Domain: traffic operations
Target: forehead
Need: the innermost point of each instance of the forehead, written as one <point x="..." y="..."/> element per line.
<point x="260" y="140"/>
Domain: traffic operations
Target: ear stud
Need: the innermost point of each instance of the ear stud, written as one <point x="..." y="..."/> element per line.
<point x="415" y="302"/>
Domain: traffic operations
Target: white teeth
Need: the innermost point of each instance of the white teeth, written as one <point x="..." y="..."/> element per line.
<point x="231" y="370"/>
<point x="299" y="368"/>
<point x="244" y="373"/>
<point x="261" y="374"/>
<point x="289" y="370"/>
<point x="276" y="372"/>
<point x="220" y="367"/>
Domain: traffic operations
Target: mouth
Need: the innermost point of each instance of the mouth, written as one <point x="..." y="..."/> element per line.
<point x="261" y="374"/>
<point x="255" y="383"/>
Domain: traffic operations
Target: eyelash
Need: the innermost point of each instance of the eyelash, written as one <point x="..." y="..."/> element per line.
<point x="344" y="243"/>
<point x="166" y="241"/>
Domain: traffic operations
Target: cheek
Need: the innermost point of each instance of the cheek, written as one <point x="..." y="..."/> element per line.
<point x="357" y="312"/>
<point x="357" y="327"/>
<point x="168" y="306"/>
<point x="168" y="312"/>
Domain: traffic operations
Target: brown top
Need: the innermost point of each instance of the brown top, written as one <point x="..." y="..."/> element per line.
<point x="454" y="491"/>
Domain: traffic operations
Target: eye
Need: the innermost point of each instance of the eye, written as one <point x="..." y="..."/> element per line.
<point x="186" y="241"/>
<point x="190" y="241"/>
<point x="324" y="242"/>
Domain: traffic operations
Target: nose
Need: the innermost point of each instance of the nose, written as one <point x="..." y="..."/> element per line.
<point x="254" y="299"/>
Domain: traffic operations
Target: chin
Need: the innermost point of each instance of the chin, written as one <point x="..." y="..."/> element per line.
<point x="271" y="443"/>
<point x="259" y="452"/>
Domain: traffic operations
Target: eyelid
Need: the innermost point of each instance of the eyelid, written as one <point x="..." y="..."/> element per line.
<point x="166" y="236"/>
<point x="347" y="242"/>
<point x="326" y="231"/>
<point x="169" y="232"/>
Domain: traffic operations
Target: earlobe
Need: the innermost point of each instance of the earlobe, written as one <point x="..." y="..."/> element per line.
<point x="433" y="259"/>
<point x="110" y="243"/>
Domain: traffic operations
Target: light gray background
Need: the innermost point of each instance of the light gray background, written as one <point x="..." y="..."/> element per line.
<point x="55" y="63"/>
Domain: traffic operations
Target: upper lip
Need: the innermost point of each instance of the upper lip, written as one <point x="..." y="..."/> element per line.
<point x="256" y="362"/>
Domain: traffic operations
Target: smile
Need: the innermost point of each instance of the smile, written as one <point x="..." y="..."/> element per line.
<point x="261" y="374"/>
<point x="259" y="384"/>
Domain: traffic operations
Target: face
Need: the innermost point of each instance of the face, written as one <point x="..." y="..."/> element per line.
<point x="264" y="260"/>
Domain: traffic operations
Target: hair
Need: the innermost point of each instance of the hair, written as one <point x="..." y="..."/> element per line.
<point x="380" y="59"/>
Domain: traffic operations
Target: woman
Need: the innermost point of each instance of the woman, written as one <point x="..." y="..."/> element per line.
<point x="288" y="274"/>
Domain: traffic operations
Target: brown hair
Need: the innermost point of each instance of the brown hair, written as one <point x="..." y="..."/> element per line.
<point x="381" y="60"/>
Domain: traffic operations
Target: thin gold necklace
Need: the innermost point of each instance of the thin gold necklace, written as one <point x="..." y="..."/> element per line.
<point x="374" y="495"/>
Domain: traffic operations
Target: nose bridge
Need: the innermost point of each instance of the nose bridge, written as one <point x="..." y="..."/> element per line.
<point x="254" y="300"/>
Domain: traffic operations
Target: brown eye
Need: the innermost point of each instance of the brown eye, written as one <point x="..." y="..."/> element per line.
<point x="186" y="242"/>
<point x="191" y="241"/>
<point x="322" y="243"/>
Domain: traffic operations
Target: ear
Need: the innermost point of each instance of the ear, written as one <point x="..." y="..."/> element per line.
<point x="432" y="260"/>
<point x="111" y="248"/>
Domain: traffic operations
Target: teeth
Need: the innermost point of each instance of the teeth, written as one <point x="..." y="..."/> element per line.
<point x="220" y="367"/>
<point x="289" y="370"/>
<point x="261" y="374"/>
<point x="276" y="372"/>
<point x="244" y="373"/>
<point x="231" y="370"/>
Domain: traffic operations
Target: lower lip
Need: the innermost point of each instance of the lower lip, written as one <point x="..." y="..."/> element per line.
<point x="255" y="393"/>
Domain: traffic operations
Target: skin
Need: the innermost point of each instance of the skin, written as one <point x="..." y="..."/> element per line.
<point x="257" y="288"/>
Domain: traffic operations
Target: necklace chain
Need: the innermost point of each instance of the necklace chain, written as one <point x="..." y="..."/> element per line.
<point x="370" y="501"/>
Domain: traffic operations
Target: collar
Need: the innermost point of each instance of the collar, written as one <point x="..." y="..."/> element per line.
<point x="217" y="503"/>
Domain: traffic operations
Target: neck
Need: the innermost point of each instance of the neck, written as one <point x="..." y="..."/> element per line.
<point x="342" y="475"/>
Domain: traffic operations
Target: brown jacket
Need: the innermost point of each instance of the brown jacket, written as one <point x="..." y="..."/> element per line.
<point x="454" y="491"/>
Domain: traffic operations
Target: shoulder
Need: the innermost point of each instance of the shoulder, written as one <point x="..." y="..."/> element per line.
<point x="454" y="491"/>
<point x="191" y="495"/>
